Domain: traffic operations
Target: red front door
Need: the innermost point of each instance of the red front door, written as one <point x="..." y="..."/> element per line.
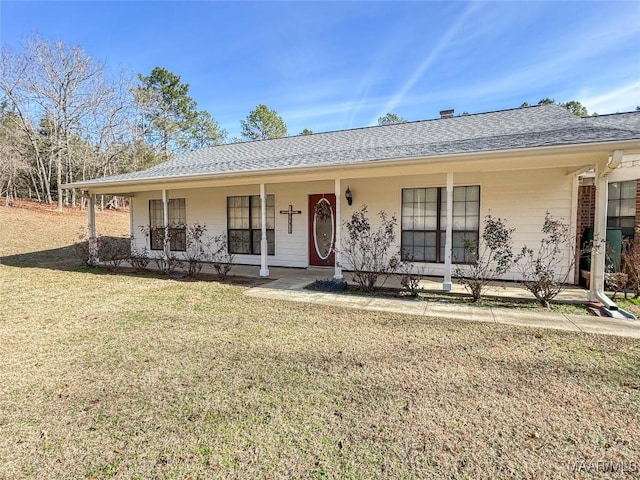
<point x="322" y="229"/>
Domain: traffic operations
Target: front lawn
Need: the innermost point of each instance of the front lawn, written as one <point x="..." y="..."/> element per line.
<point x="115" y="376"/>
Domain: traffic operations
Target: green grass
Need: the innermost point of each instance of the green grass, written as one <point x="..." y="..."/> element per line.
<point x="120" y="376"/>
<point x="630" y="304"/>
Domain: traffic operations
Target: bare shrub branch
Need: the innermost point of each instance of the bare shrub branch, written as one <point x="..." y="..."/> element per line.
<point x="195" y="248"/>
<point x="113" y="251"/>
<point x="218" y="254"/>
<point x="631" y="264"/>
<point x="410" y="275"/>
<point x="546" y="270"/>
<point x="492" y="257"/>
<point x="369" y="252"/>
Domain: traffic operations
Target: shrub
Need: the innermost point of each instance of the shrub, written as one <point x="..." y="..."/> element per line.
<point x="81" y="247"/>
<point x="617" y="281"/>
<point x="195" y="248"/>
<point x="114" y="250"/>
<point x="492" y="256"/>
<point x="139" y="258"/>
<point x="198" y="249"/>
<point x="218" y="254"/>
<point x="631" y="264"/>
<point x="369" y="252"/>
<point x="409" y="276"/>
<point x="166" y="264"/>
<point x="545" y="271"/>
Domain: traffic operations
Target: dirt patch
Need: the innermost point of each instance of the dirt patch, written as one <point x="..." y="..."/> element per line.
<point x="35" y="206"/>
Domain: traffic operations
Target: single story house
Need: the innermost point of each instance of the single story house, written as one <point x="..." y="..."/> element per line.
<point x="441" y="177"/>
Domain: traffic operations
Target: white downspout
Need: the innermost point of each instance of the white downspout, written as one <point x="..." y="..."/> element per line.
<point x="448" y="243"/>
<point x="264" y="244"/>
<point x="596" y="287"/>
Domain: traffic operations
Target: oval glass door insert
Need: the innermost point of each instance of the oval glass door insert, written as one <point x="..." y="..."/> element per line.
<point x="323" y="228"/>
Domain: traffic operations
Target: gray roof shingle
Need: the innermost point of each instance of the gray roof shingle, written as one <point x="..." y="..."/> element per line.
<point x="538" y="126"/>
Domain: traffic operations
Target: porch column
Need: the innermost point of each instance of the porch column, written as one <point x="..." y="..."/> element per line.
<point x="131" y="228"/>
<point x="264" y="245"/>
<point x="166" y="245"/>
<point x="446" y="283"/>
<point x="598" y="255"/>
<point x="338" y="237"/>
<point x="598" y="252"/>
<point x="93" y="240"/>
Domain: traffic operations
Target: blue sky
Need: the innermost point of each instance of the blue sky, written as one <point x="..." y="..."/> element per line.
<point x="335" y="65"/>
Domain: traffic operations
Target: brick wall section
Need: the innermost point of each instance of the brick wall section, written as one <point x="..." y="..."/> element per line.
<point x="585" y="218"/>
<point x="586" y="207"/>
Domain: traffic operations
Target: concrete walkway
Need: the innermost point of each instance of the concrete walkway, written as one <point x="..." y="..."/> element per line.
<point x="288" y="284"/>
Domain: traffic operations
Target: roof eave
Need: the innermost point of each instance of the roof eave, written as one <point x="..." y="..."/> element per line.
<point x="456" y="157"/>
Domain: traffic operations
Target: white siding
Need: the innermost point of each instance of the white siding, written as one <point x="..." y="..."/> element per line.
<point x="209" y="206"/>
<point x="522" y="197"/>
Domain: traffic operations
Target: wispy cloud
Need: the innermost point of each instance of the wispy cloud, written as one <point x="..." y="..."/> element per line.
<point x="379" y="65"/>
<point x="558" y="66"/>
<point x="322" y="116"/>
<point x="622" y="98"/>
<point x="429" y="60"/>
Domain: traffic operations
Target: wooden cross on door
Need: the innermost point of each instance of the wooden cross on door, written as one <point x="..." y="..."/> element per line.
<point x="291" y="212"/>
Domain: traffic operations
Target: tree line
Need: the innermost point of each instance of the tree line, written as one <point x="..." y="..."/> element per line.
<point x="64" y="117"/>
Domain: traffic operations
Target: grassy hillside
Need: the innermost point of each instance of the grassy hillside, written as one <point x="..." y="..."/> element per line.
<point x="38" y="235"/>
<point x="115" y="376"/>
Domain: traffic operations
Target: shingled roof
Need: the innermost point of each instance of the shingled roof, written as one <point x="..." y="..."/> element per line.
<point x="528" y="127"/>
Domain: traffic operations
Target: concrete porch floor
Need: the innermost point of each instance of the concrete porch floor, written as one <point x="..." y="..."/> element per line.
<point x="298" y="278"/>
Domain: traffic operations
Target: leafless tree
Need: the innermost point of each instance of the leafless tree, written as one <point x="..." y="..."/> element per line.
<point x="75" y="117"/>
<point x="14" y="170"/>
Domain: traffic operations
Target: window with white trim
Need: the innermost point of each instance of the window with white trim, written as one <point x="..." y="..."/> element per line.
<point x="244" y="224"/>
<point x="621" y="208"/>
<point x="424" y="223"/>
<point x="177" y="224"/>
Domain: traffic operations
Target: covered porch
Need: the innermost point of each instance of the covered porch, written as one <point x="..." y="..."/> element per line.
<point x="292" y="279"/>
<point x="519" y="187"/>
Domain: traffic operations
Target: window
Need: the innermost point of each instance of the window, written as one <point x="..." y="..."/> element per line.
<point x="424" y="223"/>
<point x="244" y="222"/>
<point x="177" y="224"/>
<point x="621" y="210"/>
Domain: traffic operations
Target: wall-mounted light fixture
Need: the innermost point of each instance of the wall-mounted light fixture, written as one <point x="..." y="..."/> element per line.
<point x="348" y="196"/>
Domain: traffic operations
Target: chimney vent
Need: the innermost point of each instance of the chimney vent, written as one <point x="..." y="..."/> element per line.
<point x="446" y="113"/>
